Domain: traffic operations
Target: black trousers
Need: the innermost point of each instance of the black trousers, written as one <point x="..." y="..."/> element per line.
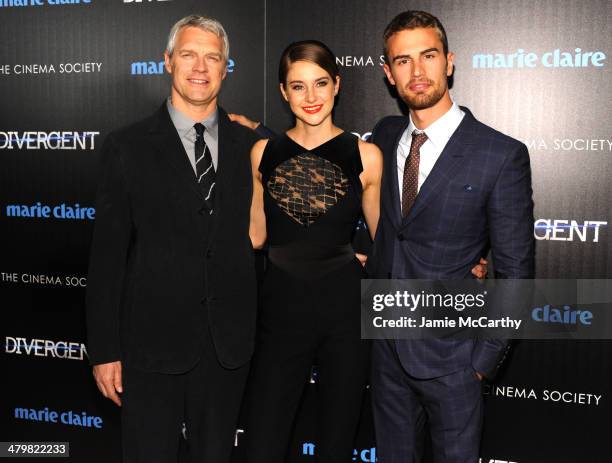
<point x="306" y="322"/>
<point x="155" y="405"/>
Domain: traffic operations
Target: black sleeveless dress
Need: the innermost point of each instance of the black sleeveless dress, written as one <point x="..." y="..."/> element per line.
<point x="310" y="300"/>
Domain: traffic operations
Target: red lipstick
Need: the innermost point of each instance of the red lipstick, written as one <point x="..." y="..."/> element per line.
<point x="312" y="109"/>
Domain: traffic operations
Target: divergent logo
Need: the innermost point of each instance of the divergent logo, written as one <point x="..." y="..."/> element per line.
<point x="568" y="230"/>
<point x="45" y="348"/>
<point x="55" y="140"/>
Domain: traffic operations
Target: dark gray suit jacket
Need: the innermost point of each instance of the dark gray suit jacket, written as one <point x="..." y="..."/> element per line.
<point x="163" y="272"/>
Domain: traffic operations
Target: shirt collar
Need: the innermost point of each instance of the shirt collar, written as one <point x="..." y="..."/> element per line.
<point x="442" y="129"/>
<point x="184" y="124"/>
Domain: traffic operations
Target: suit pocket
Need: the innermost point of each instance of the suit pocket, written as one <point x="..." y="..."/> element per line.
<point x="464" y="188"/>
<point x="464" y="198"/>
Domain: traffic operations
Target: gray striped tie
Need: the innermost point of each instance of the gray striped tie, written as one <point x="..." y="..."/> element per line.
<point x="205" y="171"/>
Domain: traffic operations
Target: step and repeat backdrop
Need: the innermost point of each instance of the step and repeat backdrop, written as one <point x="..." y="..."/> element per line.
<point x="73" y="70"/>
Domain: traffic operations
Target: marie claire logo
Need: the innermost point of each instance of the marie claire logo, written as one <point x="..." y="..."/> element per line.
<point x="145" y="1"/>
<point x="41" y="211"/>
<point x="24" y="3"/>
<point x="61" y="68"/>
<point x="545" y="395"/>
<point x="557" y="58"/>
<point x="148" y="68"/>
<point x="71" y="418"/>
<point x="359" y="455"/>
<point x="45" y="348"/>
<point x="568" y="230"/>
<point x="55" y="140"/>
<point x="43" y="280"/>
<point x="565" y="315"/>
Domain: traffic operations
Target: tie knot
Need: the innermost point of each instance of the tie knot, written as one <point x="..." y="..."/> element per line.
<point x="418" y="138"/>
<point x="199" y="128"/>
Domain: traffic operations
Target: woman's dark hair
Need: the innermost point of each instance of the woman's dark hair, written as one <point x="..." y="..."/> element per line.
<point x="307" y="50"/>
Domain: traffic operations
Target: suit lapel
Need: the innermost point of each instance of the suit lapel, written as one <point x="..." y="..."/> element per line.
<point x="226" y="167"/>
<point x="395" y="208"/>
<point x="167" y="143"/>
<point x="450" y="160"/>
<point x="226" y="164"/>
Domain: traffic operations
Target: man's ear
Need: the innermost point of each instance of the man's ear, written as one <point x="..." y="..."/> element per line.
<point x="450" y="60"/>
<point x="167" y="62"/>
<point x="387" y="70"/>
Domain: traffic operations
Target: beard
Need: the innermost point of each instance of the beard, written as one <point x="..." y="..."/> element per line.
<point x="423" y="100"/>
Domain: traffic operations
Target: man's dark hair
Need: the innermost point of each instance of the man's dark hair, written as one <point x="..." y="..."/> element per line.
<point x="413" y="19"/>
<point x="307" y="50"/>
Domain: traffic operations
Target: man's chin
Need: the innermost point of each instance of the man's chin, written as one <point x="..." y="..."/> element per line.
<point x="201" y="100"/>
<point x="421" y="101"/>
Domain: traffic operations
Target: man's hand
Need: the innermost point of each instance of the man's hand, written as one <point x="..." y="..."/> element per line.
<point x="243" y="120"/>
<point x="480" y="270"/>
<point x="362" y="258"/>
<point x="108" y="380"/>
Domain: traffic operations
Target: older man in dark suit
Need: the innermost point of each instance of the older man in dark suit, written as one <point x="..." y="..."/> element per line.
<point x="452" y="187"/>
<point x="171" y="298"/>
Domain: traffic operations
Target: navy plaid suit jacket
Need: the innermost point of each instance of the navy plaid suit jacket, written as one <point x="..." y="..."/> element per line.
<point x="477" y="196"/>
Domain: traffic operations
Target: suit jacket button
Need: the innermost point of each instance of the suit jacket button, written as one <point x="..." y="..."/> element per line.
<point x="209" y="254"/>
<point x="400" y="237"/>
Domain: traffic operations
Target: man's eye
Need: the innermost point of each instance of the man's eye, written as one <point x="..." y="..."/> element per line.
<point x="429" y="56"/>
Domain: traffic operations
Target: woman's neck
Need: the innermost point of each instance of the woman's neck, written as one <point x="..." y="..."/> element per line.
<point x="311" y="136"/>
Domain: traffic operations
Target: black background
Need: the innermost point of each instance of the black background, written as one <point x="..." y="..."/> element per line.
<point x="538" y="106"/>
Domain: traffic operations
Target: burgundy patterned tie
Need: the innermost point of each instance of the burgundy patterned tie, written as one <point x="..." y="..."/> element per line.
<point x="410" y="183"/>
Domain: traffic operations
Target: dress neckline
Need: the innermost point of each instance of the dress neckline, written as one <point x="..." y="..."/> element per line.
<point x="316" y="147"/>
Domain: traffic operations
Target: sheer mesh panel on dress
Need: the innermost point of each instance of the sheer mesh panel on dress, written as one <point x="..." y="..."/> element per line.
<point x="306" y="186"/>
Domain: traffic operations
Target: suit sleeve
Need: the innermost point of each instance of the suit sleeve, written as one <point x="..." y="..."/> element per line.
<point x="510" y="218"/>
<point x="374" y="136"/>
<point x="108" y="259"/>
<point x="373" y="264"/>
<point x="264" y="132"/>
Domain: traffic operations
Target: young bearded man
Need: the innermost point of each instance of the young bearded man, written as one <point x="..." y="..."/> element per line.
<point x="452" y="188"/>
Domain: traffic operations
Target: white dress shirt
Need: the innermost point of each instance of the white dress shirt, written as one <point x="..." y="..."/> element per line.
<point x="438" y="135"/>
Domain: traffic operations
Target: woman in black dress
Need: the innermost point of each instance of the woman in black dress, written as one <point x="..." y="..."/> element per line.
<point x="311" y="185"/>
